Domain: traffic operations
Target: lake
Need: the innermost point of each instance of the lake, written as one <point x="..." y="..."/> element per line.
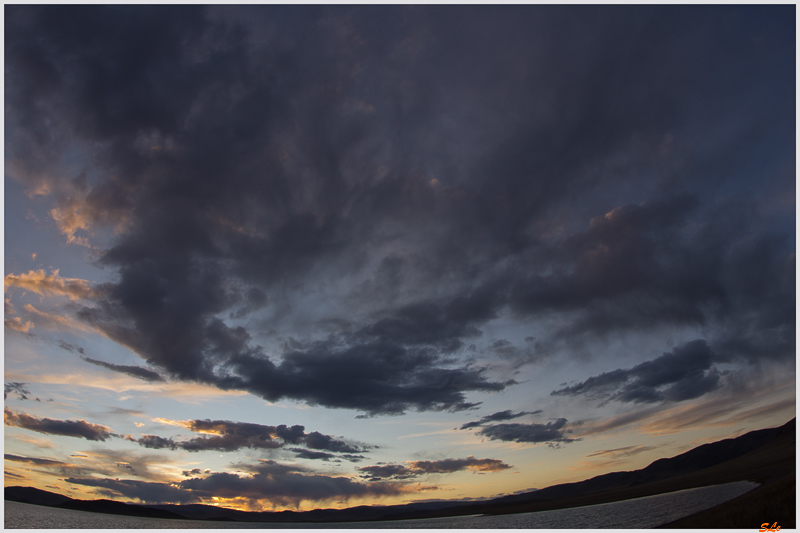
<point x="637" y="513"/>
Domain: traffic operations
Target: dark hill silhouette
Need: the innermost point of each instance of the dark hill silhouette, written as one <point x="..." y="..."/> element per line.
<point x="113" y="507"/>
<point x="766" y="456"/>
<point x="704" y="456"/>
<point x="351" y="514"/>
<point x="35" y="496"/>
<point x="51" y="499"/>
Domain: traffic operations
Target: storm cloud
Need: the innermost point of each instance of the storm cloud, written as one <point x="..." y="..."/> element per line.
<point x="408" y="175"/>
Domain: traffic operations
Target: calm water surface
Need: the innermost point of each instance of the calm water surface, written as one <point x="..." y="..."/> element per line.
<point x="638" y="513"/>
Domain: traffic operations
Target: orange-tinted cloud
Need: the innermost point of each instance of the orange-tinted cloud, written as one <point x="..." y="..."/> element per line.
<point x="16" y="324"/>
<point x="51" y="321"/>
<point x="39" y="282"/>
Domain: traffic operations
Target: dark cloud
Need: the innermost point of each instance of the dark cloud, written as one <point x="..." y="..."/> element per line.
<point x="228" y="443"/>
<point x="552" y="432"/>
<point x="682" y="374"/>
<point x="131" y="370"/>
<point x="16" y="387"/>
<point x="387" y="367"/>
<point x="227" y="436"/>
<point x="33" y="460"/>
<point x="289" y="488"/>
<point x="667" y="263"/>
<point x="70" y="347"/>
<point x="195" y="472"/>
<point x="423" y="171"/>
<point x="21" y="392"/>
<point x="352" y="457"/>
<point x="271" y="481"/>
<point x="156" y="442"/>
<point x="317" y="441"/>
<point x="145" y="491"/>
<point x="311" y="454"/>
<point x="254" y="300"/>
<point x="518" y="356"/>
<point x="234" y="435"/>
<point x="496" y="417"/>
<point x="394" y="471"/>
<point x="69" y="428"/>
<point x="610" y="259"/>
<point x="447" y="466"/>
<point x="443" y="466"/>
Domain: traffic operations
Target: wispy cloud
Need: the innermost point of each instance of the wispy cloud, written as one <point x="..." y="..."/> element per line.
<point x="131" y="370"/>
<point x="499" y="416"/>
<point x="625" y="451"/>
<point x="53" y="321"/>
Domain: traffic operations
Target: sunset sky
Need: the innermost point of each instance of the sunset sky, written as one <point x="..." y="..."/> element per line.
<point x="297" y="257"/>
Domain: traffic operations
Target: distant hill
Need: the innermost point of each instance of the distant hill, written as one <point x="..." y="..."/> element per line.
<point x="35" y="496"/>
<point x="113" y="507"/>
<point x="351" y="514"/>
<point x="765" y="456"/>
<point x="50" y="499"/>
<point x="694" y="460"/>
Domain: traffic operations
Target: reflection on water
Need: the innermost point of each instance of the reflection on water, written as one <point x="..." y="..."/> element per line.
<point x="639" y="513"/>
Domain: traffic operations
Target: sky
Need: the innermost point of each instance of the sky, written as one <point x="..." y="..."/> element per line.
<point x="298" y="257"/>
